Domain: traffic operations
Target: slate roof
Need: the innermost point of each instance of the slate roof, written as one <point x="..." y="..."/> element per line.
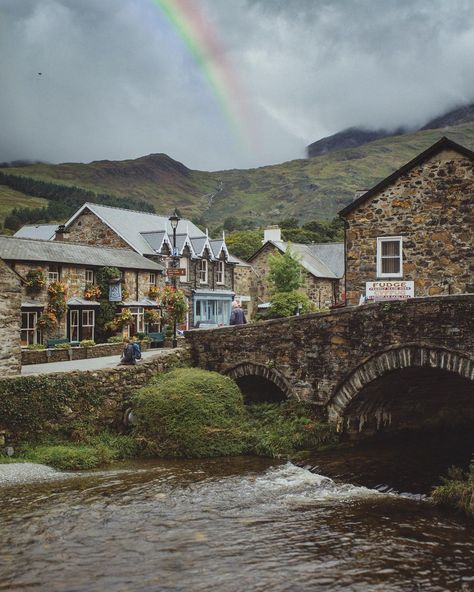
<point x="39" y="231"/>
<point x="131" y="225"/>
<point x="442" y="144"/>
<point x="23" y="249"/>
<point x="321" y="260"/>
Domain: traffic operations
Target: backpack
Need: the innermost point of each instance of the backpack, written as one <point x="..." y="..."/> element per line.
<point x="137" y="354"/>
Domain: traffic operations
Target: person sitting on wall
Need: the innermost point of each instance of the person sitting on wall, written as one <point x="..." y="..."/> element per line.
<point x="237" y="316"/>
<point x="128" y="357"/>
<point x="137" y="352"/>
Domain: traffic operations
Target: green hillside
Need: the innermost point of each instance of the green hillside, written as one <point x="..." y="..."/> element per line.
<point x="9" y="199"/>
<point x="308" y="188"/>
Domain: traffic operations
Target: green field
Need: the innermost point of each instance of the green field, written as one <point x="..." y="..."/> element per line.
<point x="311" y="188"/>
<point x="9" y="199"/>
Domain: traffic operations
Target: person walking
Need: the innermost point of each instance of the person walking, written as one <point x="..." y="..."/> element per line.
<point x="237" y="316"/>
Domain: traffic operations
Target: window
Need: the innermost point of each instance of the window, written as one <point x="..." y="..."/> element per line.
<point x="74" y="325"/>
<point x="87" y="324"/>
<point x="220" y="272"/>
<point x="53" y="273"/>
<point x="29" y="334"/>
<point x="89" y="276"/>
<point x="138" y="320"/>
<point x="389" y="256"/>
<point x="202" y="271"/>
<point x="152" y="279"/>
<point x="184" y="264"/>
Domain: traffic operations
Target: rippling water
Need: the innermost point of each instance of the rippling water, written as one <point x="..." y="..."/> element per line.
<point x="225" y="525"/>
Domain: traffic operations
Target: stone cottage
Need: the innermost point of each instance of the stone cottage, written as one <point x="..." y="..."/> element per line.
<point x="412" y="234"/>
<point x="74" y="267"/>
<point x="208" y="279"/>
<point x="322" y="264"/>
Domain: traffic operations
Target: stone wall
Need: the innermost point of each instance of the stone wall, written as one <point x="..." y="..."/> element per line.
<point x="60" y="402"/>
<point x="89" y="229"/>
<point x="10" y="321"/>
<point x="316" y="354"/>
<point x="431" y="207"/>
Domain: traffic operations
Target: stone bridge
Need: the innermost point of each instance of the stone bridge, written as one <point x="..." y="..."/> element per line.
<point x="382" y="366"/>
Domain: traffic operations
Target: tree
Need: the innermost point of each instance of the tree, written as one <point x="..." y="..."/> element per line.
<point x="244" y="243"/>
<point x="287" y="304"/>
<point x="285" y="271"/>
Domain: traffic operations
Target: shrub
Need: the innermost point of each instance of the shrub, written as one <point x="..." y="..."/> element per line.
<point x="36" y="346"/>
<point x="115" y="339"/>
<point x="87" y="343"/>
<point x="190" y="412"/>
<point x="285" y="304"/>
<point x="62" y="346"/>
<point x="457" y="491"/>
<point x="65" y="457"/>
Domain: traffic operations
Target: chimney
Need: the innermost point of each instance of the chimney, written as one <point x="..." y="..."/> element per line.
<point x="61" y="233"/>
<point x="272" y="233"/>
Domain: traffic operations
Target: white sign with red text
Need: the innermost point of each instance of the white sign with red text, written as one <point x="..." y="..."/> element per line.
<point x="389" y="290"/>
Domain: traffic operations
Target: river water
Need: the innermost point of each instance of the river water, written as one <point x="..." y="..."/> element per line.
<point x="230" y="525"/>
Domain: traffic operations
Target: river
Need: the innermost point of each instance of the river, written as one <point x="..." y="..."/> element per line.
<point x="231" y="525"/>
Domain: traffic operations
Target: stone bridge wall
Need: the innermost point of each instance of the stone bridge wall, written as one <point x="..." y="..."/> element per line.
<point x="10" y="321"/>
<point x="316" y="356"/>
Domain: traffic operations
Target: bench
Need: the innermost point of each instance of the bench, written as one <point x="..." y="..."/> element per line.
<point x="156" y="339"/>
<point x="53" y="342"/>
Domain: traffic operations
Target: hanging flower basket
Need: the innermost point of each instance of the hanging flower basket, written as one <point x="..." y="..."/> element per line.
<point x="174" y="303"/>
<point x="152" y="316"/>
<point x="154" y="292"/>
<point x="57" y="298"/>
<point x="92" y="292"/>
<point x="35" y="281"/>
<point x="47" y="322"/>
<point x="123" y="319"/>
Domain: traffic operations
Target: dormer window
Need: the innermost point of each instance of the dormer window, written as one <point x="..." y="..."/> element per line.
<point x="389" y="256"/>
<point x="220" y="272"/>
<point x="202" y="271"/>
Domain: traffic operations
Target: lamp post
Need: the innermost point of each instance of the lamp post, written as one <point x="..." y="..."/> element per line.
<point x="173" y="220"/>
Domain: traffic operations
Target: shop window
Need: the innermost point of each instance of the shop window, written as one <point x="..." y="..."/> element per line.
<point x="389" y="256"/>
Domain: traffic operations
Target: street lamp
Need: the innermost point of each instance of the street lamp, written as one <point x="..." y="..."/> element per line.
<point x="173" y="220"/>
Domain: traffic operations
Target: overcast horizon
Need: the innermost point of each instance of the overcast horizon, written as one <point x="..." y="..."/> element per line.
<point x="84" y="80"/>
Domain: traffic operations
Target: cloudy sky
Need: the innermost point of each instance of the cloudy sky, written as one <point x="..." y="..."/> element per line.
<point x="222" y="83"/>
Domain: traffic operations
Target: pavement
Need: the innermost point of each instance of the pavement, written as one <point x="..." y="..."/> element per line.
<point x="91" y="364"/>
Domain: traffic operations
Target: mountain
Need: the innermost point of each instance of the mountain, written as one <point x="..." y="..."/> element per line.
<point x="307" y="188"/>
<point x="356" y="136"/>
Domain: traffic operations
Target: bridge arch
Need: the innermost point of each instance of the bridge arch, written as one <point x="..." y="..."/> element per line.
<point x="259" y="382"/>
<point x="396" y="363"/>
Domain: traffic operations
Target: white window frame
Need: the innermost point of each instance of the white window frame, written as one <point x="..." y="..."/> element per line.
<point x="88" y="320"/>
<point x="152" y="279"/>
<point x="380" y="241"/>
<point x="220" y="272"/>
<point x="53" y="276"/>
<point x="203" y="271"/>
<point x="89" y="274"/>
<point x="184" y="264"/>
<point x="30" y="330"/>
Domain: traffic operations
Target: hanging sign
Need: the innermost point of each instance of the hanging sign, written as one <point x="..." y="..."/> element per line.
<point x="115" y="292"/>
<point x="175" y="271"/>
<point x="389" y="290"/>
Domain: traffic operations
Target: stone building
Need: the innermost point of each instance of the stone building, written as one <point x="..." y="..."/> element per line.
<point x="208" y="279"/>
<point x="74" y="266"/>
<point x="412" y="233"/>
<point x="10" y="318"/>
<point x="322" y="264"/>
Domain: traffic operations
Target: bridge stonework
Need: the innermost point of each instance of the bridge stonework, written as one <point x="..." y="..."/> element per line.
<point x="329" y="358"/>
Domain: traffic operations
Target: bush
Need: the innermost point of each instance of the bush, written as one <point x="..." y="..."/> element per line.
<point x="285" y="304"/>
<point x="115" y="339"/>
<point x="62" y="346"/>
<point x="36" y="346"/>
<point x="457" y="491"/>
<point x="191" y="412"/>
<point x="87" y="343"/>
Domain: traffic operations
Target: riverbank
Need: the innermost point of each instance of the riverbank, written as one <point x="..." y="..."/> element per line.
<point x="457" y="491"/>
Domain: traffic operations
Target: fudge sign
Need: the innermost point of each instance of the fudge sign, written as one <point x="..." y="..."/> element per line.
<point x="393" y="290"/>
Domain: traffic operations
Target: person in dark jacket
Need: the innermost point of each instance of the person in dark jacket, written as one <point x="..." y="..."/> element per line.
<point x="128" y="356"/>
<point x="237" y="316"/>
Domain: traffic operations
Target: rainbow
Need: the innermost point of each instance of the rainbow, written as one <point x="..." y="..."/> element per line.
<point x="203" y="43"/>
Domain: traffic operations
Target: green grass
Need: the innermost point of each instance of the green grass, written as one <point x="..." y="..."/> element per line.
<point x="9" y="199"/>
<point x="457" y="491"/>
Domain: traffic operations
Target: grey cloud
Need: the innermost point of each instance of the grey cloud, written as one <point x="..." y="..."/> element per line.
<point x="118" y="83"/>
